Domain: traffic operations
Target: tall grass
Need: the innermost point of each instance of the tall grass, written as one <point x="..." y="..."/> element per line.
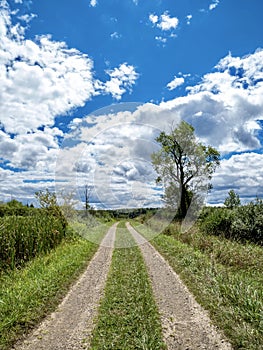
<point x="23" y="238"/>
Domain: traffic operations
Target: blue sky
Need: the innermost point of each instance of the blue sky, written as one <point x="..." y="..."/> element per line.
<point x="86" y="85"/>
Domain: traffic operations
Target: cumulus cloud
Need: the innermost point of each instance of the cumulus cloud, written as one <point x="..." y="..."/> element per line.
<point x="177" y="81"/>
<point x="214" y="4"/>
<point x="188" y="19"/>
<point x="164" y="22"/>
<point x="226" y="110"/>
<point x="121" y="79"/>
<point x="93" y="3"/>
<point x="27" y="17"/>
<point x="240" y="172"/>
<point x="161" y="39"/>
<point x="153" y="18"/>
<point x="42" y="79"/>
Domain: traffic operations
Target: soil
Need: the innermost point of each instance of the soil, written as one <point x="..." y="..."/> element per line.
<point x="71" y="325"/>
<point x="186" y="326"/>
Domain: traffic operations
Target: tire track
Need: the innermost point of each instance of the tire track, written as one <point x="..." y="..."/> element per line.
<point x="186" y="326"/>
<point x="71" y="325"/>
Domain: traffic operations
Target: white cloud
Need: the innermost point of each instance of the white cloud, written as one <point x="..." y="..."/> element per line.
<point x="42" y="79"/>
<point x="177" y="81"/>
<point x="224" y="109"/>
<point x="214" y="4"/>
<point x="188" y="19"/>
<point x="115" y="35"/>
<point x="93" y="3"/>
<point x="164" y="22"/>
<point x="121" y="79"/>
<point x="153" y="18"/>
<point x="161" y="39"/>
<point x="167" y="23"/>
<point x="239" y="172"/>
<point x="27" y="17"/>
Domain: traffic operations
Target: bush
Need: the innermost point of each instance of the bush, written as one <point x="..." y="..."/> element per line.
<point x="217" y="222"/>
<point x="244" y="223"/>
<point x="247" y="223"/>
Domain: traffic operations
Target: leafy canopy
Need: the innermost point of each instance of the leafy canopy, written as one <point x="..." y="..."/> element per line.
<point x="184" y="165"/>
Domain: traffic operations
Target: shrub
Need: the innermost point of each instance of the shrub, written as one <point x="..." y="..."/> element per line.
<point x="247" y="223"/>
<point x="217" y="222"/>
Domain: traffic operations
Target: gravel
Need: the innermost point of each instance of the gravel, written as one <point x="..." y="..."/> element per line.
<point x="186" y="326"/>
<point x="71" y="325"/>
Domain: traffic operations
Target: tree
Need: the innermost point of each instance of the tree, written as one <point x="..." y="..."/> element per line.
<point x="48" y="202"/>
<point x="46" y="199"/>
<point x="87" y="192"/>
<point x="184" y="165"/>
<point x="233" y="200"/>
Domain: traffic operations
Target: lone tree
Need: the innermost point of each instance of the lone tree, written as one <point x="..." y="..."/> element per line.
<point x="233" y="200"/>
<point x="184" y="165"/>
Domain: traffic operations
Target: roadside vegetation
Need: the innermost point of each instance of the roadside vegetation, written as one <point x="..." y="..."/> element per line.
<point x="40" y="257"/>
<point x="225" y="276"/>
<point x="128" y="317"/>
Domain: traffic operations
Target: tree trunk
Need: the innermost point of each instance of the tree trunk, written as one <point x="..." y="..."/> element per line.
<point x="183" y="202"/>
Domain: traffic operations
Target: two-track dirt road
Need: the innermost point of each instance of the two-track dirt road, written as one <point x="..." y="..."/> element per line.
<point x="186" y="326"/>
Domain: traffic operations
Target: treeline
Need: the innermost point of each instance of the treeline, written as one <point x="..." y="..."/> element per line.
<point x="123" y="213"/>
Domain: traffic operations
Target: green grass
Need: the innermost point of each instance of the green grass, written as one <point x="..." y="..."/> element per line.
<point x="226" y="279"/>
<point x="128" y="317"/>
<point x="28" y="294"/>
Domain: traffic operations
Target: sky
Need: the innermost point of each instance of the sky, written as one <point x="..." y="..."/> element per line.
<point x="87" y="85"/>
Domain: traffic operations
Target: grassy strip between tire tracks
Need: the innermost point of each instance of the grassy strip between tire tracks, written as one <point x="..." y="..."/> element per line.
<point x="231" y="291"/>
<point x="128" y="316"/>
<point x="27" y="295"/>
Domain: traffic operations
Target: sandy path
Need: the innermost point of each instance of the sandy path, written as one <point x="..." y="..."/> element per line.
<point x="186" y="326"/>
<point x="70" y="327"/>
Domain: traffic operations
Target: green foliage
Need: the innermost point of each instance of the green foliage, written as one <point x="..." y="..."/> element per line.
<point x="233" y="200"/>
<point x="15" y="204"/>
<point x="184" y="165"/>
<point x="247" y="222"/>
<point x="217" y="222"/>
<point x="244" y="223"/>
<point x="46" y="199"/>
<point x="22" y="238"/>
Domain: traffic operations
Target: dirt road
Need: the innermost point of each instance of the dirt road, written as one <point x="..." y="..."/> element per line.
<point x="186" y="326"/>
